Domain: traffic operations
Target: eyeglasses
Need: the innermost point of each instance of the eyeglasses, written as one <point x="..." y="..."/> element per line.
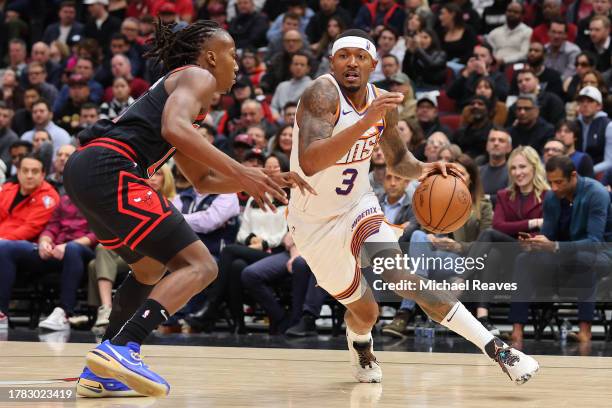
<point x="583" y="64"/>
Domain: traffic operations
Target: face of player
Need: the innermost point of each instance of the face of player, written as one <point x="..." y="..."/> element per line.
<point x="220" y="59"/>
<point x="521" y="172"/>
<point x="156" y="182"/>
<point x="352" y="68"/>
<point x="30" y="175"/>
<point x="285" y="139"/>
<point x="272" y="164"/>
<point x="61" y="158"/>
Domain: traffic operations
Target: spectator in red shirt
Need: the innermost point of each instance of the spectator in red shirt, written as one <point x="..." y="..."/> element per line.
<point x="551" y="10"/>
<point x="25" y="209"/>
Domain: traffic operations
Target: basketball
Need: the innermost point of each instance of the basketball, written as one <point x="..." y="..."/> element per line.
<point x="442" y="204"/>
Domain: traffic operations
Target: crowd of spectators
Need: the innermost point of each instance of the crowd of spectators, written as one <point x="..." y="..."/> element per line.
<point x="516" y="92"/>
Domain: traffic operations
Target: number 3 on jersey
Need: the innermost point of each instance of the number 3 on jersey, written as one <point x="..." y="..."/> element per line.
<point x="349" y="182"/>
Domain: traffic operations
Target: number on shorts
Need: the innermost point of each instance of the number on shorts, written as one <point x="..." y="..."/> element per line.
<point x="349" y="182"/>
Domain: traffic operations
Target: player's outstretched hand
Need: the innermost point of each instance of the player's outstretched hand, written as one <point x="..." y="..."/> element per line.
<point x="444" y="169"/>
<point x="381" y="105"/>
<point x="290" y="179"/>
<point x="262" y="188"/>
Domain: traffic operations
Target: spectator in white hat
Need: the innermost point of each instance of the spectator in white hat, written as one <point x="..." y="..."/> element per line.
<point x="596" y="129"/>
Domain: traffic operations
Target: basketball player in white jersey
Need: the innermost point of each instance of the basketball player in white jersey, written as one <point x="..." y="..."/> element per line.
<point x="340" y="118"/>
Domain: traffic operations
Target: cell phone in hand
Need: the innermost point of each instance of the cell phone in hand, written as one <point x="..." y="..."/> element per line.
<point x="524" y="235"/>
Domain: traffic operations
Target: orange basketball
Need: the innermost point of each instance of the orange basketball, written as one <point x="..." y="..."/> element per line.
<point x="442" y="204"/>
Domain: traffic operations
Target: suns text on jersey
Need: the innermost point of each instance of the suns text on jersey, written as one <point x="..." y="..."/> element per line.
<point x="363" y="148"/>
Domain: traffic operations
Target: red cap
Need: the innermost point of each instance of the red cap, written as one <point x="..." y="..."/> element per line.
<point x="168" y="8"/>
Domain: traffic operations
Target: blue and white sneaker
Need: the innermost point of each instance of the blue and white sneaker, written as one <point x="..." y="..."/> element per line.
<point x="92" y="386"/>
<point x="124" y="363"/>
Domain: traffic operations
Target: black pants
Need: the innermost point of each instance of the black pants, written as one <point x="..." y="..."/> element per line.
<point x="499" y="260"/>
<point x="228" y="286"/>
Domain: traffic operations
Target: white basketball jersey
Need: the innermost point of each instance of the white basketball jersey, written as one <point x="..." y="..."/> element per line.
<point x="342" y="185"/>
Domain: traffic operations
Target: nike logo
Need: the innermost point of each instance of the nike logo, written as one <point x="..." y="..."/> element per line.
<point x="453" y="315"/>
<point x="123" y="359"/>
<point x="163" y="312"/>
<point x="97" y="389"/>
<point x="346" y="112"/>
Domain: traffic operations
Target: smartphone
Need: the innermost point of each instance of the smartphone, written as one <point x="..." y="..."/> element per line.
<point x="524" y="235"/>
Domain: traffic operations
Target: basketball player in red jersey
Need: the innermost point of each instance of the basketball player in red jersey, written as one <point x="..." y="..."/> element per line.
<point x="106" y="180"/>
<point x="339" y="121"/>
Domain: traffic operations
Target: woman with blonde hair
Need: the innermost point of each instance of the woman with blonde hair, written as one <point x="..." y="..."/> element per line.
<point x="163" y="181"/>
<point x="518" y="210"/>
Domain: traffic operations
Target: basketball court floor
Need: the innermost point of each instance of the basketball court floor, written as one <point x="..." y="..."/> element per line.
<point x="273" y="377"/>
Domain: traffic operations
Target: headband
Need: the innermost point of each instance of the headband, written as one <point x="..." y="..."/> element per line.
<point x="355" y="42"/>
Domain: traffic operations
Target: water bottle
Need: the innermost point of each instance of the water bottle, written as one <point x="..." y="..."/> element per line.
<point x="418" y="327"/>
<point x="429" y="330"/>
<point x="566" y="326"/>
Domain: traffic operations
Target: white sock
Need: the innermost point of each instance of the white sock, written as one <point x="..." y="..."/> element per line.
<point x="359" y="338"/>
<point x="462" y="322"/>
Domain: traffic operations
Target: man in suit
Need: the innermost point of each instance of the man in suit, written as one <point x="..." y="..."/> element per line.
<point x="66" y="27"/>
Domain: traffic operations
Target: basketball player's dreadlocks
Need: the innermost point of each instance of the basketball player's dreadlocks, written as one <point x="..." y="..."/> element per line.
<point x="175" y="49"/>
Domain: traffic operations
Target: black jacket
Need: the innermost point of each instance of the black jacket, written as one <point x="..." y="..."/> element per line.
<point x="249" y="30"/>
<point x="535" y="136"/>
<point x="462" y="89"/>
<point x="425" y="67"/>
<point x="52" y="32"/>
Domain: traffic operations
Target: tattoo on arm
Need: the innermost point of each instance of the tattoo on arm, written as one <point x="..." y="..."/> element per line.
<point x="318" y="107"/>
<point x="399" y="159"/>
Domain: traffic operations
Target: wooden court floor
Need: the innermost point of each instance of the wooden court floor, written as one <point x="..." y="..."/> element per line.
<point x="248" y="377"/>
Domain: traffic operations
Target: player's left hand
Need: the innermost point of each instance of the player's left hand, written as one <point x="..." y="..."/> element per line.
<point x="290" y="179"/>
<point x="443" y="168"/>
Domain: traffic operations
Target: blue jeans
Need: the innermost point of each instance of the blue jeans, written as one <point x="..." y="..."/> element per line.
<point x="25" y="253"/>
<point x="423" y="248"/>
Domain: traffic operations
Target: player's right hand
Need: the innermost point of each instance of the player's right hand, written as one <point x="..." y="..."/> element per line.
<point x="381" y="105"/>
<point x="262" y="188"/>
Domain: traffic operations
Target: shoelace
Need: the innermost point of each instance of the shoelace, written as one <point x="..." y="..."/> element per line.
<point x="505" y="359"/>
<point x="365" y="357"/>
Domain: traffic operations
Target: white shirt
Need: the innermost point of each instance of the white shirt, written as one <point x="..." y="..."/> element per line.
<point x="511" y="45"/>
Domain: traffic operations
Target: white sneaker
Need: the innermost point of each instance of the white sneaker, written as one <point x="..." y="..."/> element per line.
<point x="3" y="321"/>
<point x="103" y="316"/>
<point x="56" y="321"/>
<point x="364" y="364"/>
<point x="519" y="366"/>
